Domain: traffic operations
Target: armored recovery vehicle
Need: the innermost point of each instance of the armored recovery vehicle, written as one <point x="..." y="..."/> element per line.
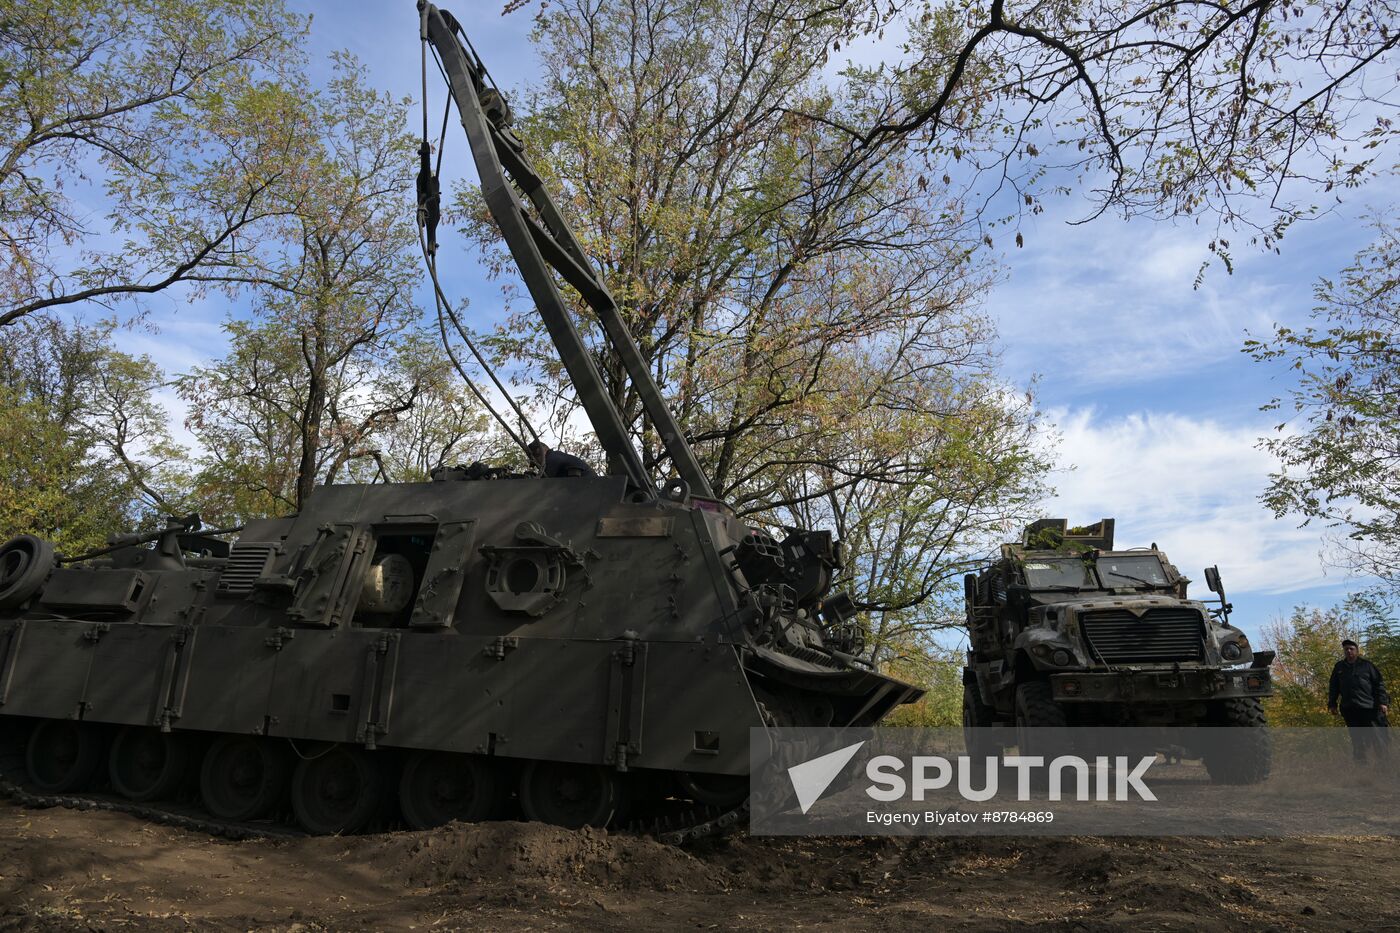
<point x="592" y="649"/>
<point x="1065" y="630"/>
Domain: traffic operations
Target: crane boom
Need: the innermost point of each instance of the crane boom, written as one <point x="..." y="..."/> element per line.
<point x="542" y="246"/>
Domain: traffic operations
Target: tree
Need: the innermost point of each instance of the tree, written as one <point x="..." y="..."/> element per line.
<point x="1377" y="614"/>
<point x="131" y="102"/>
<point x="393" y="413"/>
<point x="305" y="384"/>
<point x="914" y="517"/>
<point x="1242" y="111"/>
<point x="446" y="425"/>
<point x="1309" y="644"/>
<point x="1340" y="462"/>
<point x="87" y="452"/>
<point x="939" y="671"/>
<point x="808" y="311"/>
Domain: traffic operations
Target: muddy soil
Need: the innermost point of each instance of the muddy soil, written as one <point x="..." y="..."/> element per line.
<point x="69" y="870"/>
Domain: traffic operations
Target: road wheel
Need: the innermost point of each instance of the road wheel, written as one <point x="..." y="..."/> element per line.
<point x="145" y="764"/>
<point x="243" y="777"/>
<point x="979" y="725"/>
<point x="568" y="795"/>
<point x="1243" y="754"/>
<point x="439" y="787"/>
<point x="719" y="790"/>
<point x="62" y="755"/>
<point x="337" y="791"/>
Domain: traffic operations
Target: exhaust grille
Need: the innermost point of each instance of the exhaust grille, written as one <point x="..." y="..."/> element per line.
<point x="246" y="563"/>
<point x="1117" y="636"/>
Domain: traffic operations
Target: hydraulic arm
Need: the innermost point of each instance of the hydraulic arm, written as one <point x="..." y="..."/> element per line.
<point x="542" y="246"/>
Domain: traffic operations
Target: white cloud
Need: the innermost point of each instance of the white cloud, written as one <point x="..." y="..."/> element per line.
<point x="1191" y="486"/>
<point x="177" y="411"/>
<point x="1090" y="310"/>
<point x="178" y="338"/>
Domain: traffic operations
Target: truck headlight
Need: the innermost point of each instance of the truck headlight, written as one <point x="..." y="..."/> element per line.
<point x="1231" y="651"/>
<point x="1061" y="657"/>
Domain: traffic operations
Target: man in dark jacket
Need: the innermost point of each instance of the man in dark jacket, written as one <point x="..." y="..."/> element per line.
<point x="1358" y="693"/>
<point x="556" y="462"/>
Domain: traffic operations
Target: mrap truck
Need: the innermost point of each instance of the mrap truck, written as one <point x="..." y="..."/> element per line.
<point x="1067" y="630"/>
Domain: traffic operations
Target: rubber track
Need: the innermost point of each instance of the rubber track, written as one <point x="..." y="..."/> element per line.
<point x="701" y="823"/>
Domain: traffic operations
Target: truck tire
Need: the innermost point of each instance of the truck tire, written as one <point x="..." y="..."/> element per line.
<point x="1035" y="706"/>
<point x="1035" y="710"/>
<point x="979" y="725"/>
<point x="1244" y="754"/>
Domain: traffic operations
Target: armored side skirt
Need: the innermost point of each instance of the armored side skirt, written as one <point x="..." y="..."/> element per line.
<point x="562" y="699"/>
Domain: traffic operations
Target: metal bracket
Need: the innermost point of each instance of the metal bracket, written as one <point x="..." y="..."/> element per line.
<point x="500" y="646"/>
<point x="627" y="654"/>
<point x="376" y="697"/>
<point x="280" y="637"/>
<point x="626" y="702"/>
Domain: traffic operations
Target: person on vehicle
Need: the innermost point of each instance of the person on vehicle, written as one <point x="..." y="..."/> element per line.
<point x="1357" y="693"/>
<point x="556" y="462"/>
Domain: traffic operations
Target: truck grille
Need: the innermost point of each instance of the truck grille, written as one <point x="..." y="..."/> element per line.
<point x="245" y="564"/>
<point x="1117" y="636"/>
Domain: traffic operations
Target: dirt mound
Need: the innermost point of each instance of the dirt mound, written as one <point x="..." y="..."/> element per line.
<point x="69" y="870"/>
<point x="461" y="855"/>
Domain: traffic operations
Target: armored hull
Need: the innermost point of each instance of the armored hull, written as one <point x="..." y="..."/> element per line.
<point x="485" y="625"/>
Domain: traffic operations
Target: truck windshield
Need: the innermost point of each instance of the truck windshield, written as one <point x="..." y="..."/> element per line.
<point x="1069" y="573"/>
<point x="1139" y="570"/>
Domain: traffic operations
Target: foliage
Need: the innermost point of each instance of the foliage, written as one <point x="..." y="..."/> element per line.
<point x="1244" y="112"/>
<point x="332" y="358"/>
<point x="87" y="453"/>
<point x="808" y="310"/>
<point x="392" y="413"/>
<point x="224" y="168"/>
<point x="1309" y="644"/>
<point x="134" y="98"/>
<point x="939" y="671"/>
<point x="1341" y="464"/>
<point x="1377" y="612"/>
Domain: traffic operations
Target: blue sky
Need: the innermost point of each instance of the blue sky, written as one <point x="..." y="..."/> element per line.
<point x="1156" y="407"/>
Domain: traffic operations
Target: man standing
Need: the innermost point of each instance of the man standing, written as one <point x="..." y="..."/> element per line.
<point x="1357" y="684"/>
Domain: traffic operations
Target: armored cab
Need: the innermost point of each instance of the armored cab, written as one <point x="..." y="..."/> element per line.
<point x="591" y="650"/>
<point x="1067" y="630"/>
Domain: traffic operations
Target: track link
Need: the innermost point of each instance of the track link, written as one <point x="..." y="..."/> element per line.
<point x="182" y="816"/>
<point x="693" y="825"/>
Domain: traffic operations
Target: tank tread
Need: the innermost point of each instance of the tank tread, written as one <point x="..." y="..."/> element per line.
<point x="180" y="816"/>
<point x="704" y="822"/>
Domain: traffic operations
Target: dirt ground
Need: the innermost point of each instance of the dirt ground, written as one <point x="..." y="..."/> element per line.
<point x="69" y="870"/>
